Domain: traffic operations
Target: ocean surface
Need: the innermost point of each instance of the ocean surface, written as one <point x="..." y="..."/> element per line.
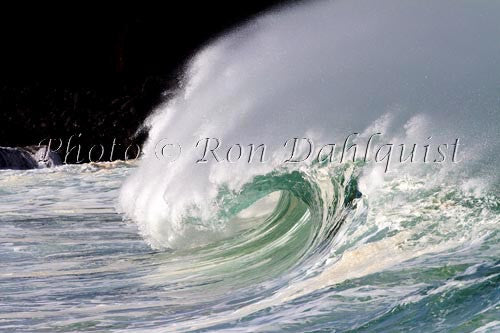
<point x="372" y="245"/>
<point x="311" y="257"/>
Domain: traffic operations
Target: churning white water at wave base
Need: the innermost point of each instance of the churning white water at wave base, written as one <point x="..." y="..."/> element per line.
<point x="306" y="247"/>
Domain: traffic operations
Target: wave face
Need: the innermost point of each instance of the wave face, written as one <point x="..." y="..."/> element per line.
<point x="273" y="246"/>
